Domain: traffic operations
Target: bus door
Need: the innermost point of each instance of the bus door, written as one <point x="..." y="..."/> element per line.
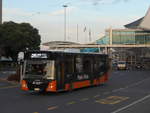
<point x="61" y="76"/>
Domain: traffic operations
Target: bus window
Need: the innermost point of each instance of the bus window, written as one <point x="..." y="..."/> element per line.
<point x="50" y="70"/>
<point x="40" y="68"/>
<point x="99" y="66"/>
<point x="88" y="66"/>
<point x="69" y="66"/>
<point x="79" y="64"/>
<point x="35" y="68"/>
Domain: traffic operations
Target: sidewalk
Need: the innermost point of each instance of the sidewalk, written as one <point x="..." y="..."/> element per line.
<point x="4" y="75"/>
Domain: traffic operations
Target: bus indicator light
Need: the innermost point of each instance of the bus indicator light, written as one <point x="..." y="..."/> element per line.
<point x="24" y="85"/>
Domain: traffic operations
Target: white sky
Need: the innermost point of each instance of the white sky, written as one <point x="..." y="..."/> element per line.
<point x="96" y="15"/>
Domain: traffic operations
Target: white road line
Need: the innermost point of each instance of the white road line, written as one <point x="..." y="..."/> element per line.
<point x="105" y="93"/>
<point x="119" y="75"/>
<point x="8" y="87"/>
<point x="135" y="84"/>
<point x="96" y="96"/>
<point x="135" y="102"/>
<point x="117" y="89"/>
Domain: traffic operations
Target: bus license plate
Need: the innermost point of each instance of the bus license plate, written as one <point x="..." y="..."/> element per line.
<point x="36" y="89"/>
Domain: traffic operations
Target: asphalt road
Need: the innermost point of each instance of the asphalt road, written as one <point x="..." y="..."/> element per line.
<point x="125" y="92"/>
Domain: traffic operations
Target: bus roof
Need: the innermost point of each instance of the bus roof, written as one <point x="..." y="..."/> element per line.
<point x="62" y="52"/>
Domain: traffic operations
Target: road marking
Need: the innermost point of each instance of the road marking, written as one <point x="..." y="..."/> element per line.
<point x="7" y="87"/>
<point x="112" y="100"/>
<point x="119" y="75"/>
<point x="84" y="99"/>
<point x="134" y="84"/>
<point x="105" y="93"/>
<point x="117" y="89"/>
<point x="35" y="112"/>
<point x="135" y="102"/>
<point x="96" y="96"/>
<point x="52" y="107"/>
<point x="70" y="103"/>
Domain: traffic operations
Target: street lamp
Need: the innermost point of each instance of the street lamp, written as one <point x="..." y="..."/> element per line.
<point x="0" y="11"/>
<point x="65" y="32"/>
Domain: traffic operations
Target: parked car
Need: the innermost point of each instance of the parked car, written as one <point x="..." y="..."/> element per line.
<point x="121" y="65"/>
<point x="139" y="66"/>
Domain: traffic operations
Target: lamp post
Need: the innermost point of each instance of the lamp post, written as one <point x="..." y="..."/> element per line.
<point x="65" y="31"/>
<point x="0" y="11"/>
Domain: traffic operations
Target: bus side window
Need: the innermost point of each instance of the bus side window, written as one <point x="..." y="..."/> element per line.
<point x="79" y="64"/>
<point x="69" y="66"/>
<point x="87" y="66"/>
<point x="99" y="66"/>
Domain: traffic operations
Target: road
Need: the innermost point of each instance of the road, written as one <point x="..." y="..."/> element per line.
<point x="125" y="92"/>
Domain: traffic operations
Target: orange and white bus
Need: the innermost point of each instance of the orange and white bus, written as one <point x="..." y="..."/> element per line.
<point x="61" y="71"/>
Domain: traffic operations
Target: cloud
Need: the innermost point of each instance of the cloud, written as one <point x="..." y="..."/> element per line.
<point x="50" y="24"/>
<point x="97" y="2"/>
<point x="16" y="12"/>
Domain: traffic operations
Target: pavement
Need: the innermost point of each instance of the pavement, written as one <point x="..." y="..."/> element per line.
<point x="6" y="74"/>
<point x="125" y="92"/>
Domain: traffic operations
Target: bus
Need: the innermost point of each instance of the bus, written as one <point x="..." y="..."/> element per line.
<point x="52" y="71"/>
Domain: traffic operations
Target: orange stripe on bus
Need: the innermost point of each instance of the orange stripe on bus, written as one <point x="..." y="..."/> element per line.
<point x="81" y="84"/>
<point x="67" y="87"/>
<point x="86" y="83"/>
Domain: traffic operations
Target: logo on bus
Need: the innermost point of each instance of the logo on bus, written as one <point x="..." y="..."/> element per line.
<point x="82" y="77"/>
<point x="37" y="82"/>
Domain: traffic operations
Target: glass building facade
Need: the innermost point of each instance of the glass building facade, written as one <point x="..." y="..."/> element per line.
<point x="129" y="36"/>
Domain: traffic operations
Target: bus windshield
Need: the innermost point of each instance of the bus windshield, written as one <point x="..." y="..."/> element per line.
<point x="40" y="68"/>
<point x="122" y="62"/>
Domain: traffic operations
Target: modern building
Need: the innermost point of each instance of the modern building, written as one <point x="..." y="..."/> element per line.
<point x="129" y="36"/>
<point x="135" y="33"/>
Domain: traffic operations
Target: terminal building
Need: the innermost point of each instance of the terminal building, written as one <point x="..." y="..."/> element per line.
<point x="135" y="33"/>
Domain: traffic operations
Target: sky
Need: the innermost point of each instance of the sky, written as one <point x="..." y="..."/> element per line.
<point x="92" y="16"/>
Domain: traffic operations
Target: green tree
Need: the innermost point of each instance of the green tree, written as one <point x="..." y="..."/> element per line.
<point x="16" y="37"/>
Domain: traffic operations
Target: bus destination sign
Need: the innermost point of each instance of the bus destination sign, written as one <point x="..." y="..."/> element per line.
<point x="39" y="55"/>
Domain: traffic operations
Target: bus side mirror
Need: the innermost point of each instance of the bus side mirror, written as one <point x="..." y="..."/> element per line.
<point x="20" y="56"/>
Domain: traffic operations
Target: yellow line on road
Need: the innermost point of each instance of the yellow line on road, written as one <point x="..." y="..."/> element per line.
<point x="84" y="99"/>
<point x="112" y="100"/>
<point x="52" y="107"/>
<point x="7" y="87"/>
<point x="105" y="93"/>
<point x="35" y="112"/>
<point x="70" y="103"/>
<point x="96" y="96"/>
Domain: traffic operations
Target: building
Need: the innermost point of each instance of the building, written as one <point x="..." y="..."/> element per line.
<point x="48" y="46"/>
<point x="129" y="36"/>
<point x="135" y="33"/>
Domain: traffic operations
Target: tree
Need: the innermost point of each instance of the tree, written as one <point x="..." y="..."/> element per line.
<point x="16" y="37"/>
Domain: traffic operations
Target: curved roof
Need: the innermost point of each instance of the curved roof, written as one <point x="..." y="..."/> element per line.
<point x="135" y="24"/>
<point x="58" y="43"/>
<point x="142" y="23"/>
<point x="145" y="24"/>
